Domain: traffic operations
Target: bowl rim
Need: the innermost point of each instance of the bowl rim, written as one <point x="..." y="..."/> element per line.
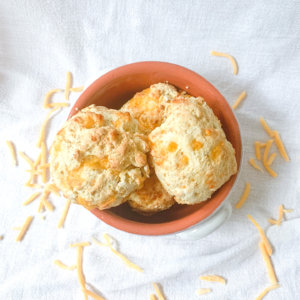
<point x="168" y="227"/>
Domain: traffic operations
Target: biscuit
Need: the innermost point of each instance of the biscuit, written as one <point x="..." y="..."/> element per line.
<point x="151" y="198"/>
<point x="99" y="157"/>
<point x="148" y="105"/>
<point x="192" y="157"/>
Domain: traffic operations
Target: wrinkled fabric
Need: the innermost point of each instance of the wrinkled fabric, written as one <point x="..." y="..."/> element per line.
<point x="41" y="40"/>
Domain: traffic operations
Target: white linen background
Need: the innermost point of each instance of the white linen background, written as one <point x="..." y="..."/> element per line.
<point x="41" y="40"/>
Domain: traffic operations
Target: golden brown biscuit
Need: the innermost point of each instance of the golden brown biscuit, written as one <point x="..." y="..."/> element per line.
<point x="98" y="158"/>
<point x="151" y="198"/>
<point x="148" y="105"/>
<point x="191" y="154"/>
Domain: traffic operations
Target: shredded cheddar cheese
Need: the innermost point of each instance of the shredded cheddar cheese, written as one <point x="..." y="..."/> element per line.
<point x="59" y="104"/>
<point x="68" y="85"/>
<point x="93" y="295"/>
<point x="215" y="278"/>
<point x="117" y="253"/>
<point x="267" y="149"/>
<point x="274" y="134"/>
<point x="53" y="189"/>
<point x="262" y="235"/>
<point x="26" y="158"/>
<point x="24" y="228"/>
<point x="33" y="185"/>
<point x="62" y="219"/>
<point x="1" y="237"/>
<point x="203" y="291"/>
<point x="230" y="57"/>
<point x="282" y="211"/>
<point x="44" y="200"/>
<point x="269" y="170"/>
<point x="80" y="274"/>
<point x="265" y="159"/>
<point x="38" y="160"/>
<point x="266" y="126"/>
<point x="81" y="244"/>
<point x="43" y="127"/>
<point x="12" y="151"/>
<point x="31" y="198"/>
<point x="240" y="98"/>
<point x="273" y="222"/>
<point x="158" y="292"/>
<point x="257" y="146"/>
<point x="44" y="161"/>
<point x="267" y="259"/>
<point x="77" y="89"/>
<point x="63" y="266"/>
<point x="41" y="206"/>
<point x="280" y="145"/>
<point x="254" y="164"/>
<point x="153" y="297"/>
<point x="48" y="96"/>
<point x="271" y="159"/>
<point x="266" y="291"/>
<point x="244" y="196"/>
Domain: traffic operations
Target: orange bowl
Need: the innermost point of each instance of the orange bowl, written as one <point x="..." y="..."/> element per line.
<point x="115" y="88"/>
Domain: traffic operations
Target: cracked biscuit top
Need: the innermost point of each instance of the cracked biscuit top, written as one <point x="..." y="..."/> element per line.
<point x="99" y="157"/>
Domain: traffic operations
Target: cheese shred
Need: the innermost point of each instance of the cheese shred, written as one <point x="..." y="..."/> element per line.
<point x="48" y="96"/>
<point x="81" y="244"/>
<point x="63" y="266"/>
<point x="255" y="165"/>
<point x="117" y="253"/>
<point x="62" y="219"/>
<point x="280" y="146"/>
<point x="77" y="89"/>
<point x="267" y="149"/>
<point x="153" y="297"/>
<point x="12" y="151"/>
<point x="230" y="57"/>
<point x="244" y="196"/>
<point x="203" y="291"/>
<point x="267" y="260"/>
<point x="80" y="274"/>
<point x="44" y="161"/>
<point x="68" y="85"/>
<point x="59" y="104"/>
<point x="26" y="158"/>
<point x="271" y="159"/>
<point x="240" y="98"/>
<point x="158" y="292"/>
<point x="281" y="213"/>
<point x="262" y="235"/>
<point x="44" y="200"/>
<point x="214" y="278"/>
<point x="24" y="228"/>
<point x="31" y="198"/>
<point x="274" y="134"/>
<point x="257" y="150"/>
<point x="266" y="126"/>
<point x="266" y="291"/>
<point x="93" y="295"/>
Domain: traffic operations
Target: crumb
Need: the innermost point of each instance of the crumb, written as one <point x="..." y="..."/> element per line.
<point x="76" y="108"/>
<point x="187" y="87"/>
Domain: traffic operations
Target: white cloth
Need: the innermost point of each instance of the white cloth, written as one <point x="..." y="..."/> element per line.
<point x="41" y="40"/>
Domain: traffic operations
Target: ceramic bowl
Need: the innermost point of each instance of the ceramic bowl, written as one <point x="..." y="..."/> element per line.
<point x="116" y="87"/>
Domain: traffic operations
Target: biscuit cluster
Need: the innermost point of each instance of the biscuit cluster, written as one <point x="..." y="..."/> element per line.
<point x="162" y="147"/>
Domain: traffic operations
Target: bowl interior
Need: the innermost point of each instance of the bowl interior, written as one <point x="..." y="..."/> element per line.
<point x="118" y="86"/>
